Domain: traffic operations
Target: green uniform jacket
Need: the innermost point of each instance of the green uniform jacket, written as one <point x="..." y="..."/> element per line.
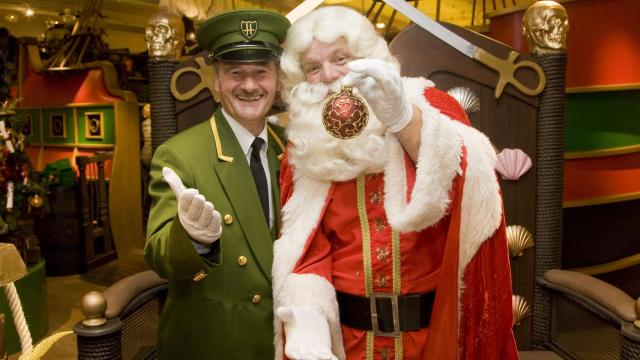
<point x="219" y="305"/>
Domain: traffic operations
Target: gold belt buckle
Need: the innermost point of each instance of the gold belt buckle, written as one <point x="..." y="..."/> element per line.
<point x="394" y="310"/>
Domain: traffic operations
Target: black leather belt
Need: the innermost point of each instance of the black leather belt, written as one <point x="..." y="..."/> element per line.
<point x="386" y="314"/>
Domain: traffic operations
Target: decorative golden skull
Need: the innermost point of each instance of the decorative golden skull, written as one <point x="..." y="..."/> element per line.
<point x="164" y="35"/>
<point x="545" y="26"/>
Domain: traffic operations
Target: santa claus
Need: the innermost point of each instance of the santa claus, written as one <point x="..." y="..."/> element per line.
<point x="393" y="243"/>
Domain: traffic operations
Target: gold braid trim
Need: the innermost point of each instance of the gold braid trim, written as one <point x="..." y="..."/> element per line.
<point x="366" y="254"/>
<point x="397" y="283"/>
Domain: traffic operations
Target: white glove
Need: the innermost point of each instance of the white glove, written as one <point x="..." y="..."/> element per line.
<point x="197" y="215"/>
<point x="379" y="82"/>
<point x="307" y="333"/>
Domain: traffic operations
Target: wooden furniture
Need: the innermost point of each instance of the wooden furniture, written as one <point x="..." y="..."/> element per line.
<point x="80" y="111"/>
<point x="94" y="210"/>
<point x="59" y="233"/>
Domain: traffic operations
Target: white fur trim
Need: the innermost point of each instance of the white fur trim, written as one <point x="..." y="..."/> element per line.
<point x="315" y="291"/>
<point x="481" y="202"/>
<point x="481" y="212"/>
<point x="300" y="216"/>
<point x="437" y="165"/>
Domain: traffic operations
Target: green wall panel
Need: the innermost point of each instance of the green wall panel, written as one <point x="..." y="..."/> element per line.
<point x="96" y="125"/>
<point x="602" y="120"/>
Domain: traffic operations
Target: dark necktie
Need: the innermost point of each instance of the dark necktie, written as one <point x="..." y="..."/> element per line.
<point x="259" y="176"/>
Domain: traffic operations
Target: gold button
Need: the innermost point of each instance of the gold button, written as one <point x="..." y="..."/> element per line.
<point x="200" y="275"/>
<point x="228" y="219"/>
<point x="242" y="261"/>
<point x="256" y="299"/>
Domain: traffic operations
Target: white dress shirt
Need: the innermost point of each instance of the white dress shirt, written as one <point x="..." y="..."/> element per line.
<point x="245" y="139"/>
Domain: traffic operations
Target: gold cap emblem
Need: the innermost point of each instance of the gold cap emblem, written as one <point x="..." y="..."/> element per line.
<point x="249" y="28"/>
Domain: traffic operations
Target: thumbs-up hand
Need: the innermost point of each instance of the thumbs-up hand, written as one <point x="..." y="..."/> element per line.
<point x="197" y="215"/>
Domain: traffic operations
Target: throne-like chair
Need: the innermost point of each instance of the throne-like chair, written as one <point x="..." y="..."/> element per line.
<point x="557" y="313"/>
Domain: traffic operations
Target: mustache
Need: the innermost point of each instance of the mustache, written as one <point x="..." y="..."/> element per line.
<point x="313" y="93"/>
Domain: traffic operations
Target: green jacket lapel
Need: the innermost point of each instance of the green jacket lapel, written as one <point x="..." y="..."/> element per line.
<point x="235" y="177"/>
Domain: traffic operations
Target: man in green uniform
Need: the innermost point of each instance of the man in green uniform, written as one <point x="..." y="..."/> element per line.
<point x="214" y="190"/>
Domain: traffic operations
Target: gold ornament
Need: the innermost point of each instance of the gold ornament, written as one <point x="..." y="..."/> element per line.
<point x="345" y="114"/>
<point x="36" y="201"/>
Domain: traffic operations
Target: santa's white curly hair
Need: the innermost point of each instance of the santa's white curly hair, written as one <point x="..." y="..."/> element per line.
<point x="314" y="152"/>
<point x="328" y="24"/>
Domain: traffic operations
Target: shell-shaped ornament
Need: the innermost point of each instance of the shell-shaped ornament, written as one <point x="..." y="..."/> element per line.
<point x="520" y="309"/>
<point x="513" y="163"/>
<point x="467" y="99"/>
<point x="519" y="239"/>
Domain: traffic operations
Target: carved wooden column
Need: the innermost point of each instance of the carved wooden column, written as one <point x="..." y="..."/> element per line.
<point x="545" y="25"/>
<point x="165" y="39"/>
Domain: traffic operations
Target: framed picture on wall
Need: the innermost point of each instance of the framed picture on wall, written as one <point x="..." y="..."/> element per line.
<point x="57" y="126"/>
<point x="28" y="123"/>
<point x="94" y="125"/>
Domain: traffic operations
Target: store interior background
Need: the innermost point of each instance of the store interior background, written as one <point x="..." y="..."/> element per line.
<point x="602" y="70"/>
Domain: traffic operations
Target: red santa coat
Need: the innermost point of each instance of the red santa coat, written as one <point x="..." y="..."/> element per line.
<point x="447" y="212"/>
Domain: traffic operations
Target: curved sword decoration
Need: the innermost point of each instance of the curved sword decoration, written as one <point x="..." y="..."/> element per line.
<point x="506" y="69"/>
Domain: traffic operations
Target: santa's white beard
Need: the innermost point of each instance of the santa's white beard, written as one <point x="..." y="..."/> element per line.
<point x="317" y="154"/>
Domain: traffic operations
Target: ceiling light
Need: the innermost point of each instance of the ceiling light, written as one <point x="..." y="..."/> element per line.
<point x="380" y="26"/>
<point x="12" y="18"/>
<point x="28" y="12"/>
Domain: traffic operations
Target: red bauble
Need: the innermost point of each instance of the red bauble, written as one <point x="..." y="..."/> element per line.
<point x="345" y="114"/>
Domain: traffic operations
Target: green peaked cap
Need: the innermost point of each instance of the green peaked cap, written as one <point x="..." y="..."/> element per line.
<point x="244" y="35"/>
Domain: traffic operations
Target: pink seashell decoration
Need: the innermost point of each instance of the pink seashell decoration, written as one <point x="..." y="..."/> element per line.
<point x="512" y="163"/>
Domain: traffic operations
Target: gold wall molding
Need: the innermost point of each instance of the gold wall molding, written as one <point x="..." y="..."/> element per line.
<point x="76" y="145"/>
<point x="519" y="8"/>
<point x="69" y="106"/>
<point x="602" y="88"/>
<point x="601" y="200"/>
<point x="602" y="152"/>
<point x="610" y="266"/>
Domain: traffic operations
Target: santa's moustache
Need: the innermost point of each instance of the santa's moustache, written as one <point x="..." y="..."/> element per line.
<point x="317" y="154"/>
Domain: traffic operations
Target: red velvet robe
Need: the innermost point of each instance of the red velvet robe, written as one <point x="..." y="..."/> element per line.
<point x="469" y="271"/>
